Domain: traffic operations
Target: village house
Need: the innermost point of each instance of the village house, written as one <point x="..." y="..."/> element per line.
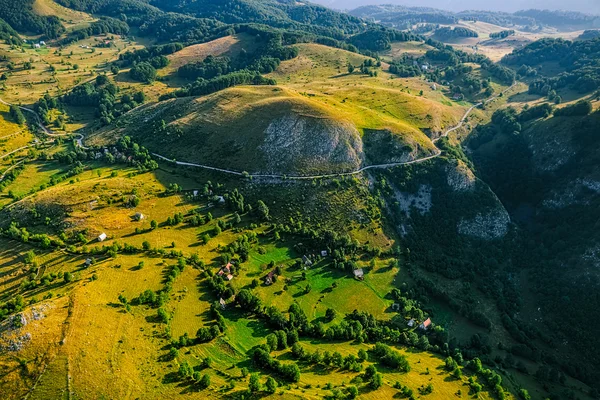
<point x="307" y="261"/>
<point x="102" y="237"/>
<point x="270" y="278"/>
<point x="323" y="253"/>
<point x="425" y="324"/>
<point x="229" y="277"/>
<point x="411" y="323"/>
<point x="358" y="274"/>
<point x="222" y="303"/>
<point x="139" y="216"/>
<point x="88" y="262"/>
<point x="36" y="46"/>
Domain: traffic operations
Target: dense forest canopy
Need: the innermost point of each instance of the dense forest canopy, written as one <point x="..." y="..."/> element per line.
<point x="579" y="61"/>
<point x="20" y="15"/>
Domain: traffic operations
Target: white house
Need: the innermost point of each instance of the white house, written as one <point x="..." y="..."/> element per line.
<point x="195" y="193"/>
<point x="424" y="67"/>
<point x="139" y="216"/>
<point x="323" y="253"/>
<point x="433" y="86"/>
<point x="358" y="273"/>
<point x="411" y="323"/>
<point x="36" y="46"/>
<point x="102" y="237"/>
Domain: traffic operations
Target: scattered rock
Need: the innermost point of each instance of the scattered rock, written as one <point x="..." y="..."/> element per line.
<point x="460" y="177"/>
<point x="420" y="200"/>
<point x="488" y="226"/>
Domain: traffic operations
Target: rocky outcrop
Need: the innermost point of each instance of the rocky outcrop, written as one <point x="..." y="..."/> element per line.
<point x="460" y="177"/>
<point x="488" y="225"/>
<point x="297" y="142"/>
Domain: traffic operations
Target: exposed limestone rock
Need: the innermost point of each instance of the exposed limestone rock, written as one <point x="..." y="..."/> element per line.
<point x="420" y="200"/>
<point x="297" y="142"/>
<point x="490" y="225"/>
<point x="460" y="177"/>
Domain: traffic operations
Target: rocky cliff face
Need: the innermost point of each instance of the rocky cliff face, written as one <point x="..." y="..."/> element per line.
<point x="298" y="142"/>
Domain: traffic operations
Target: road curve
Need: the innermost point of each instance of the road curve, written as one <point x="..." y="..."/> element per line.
<point x="356" y="172"/>
<point x="48" y="132"/>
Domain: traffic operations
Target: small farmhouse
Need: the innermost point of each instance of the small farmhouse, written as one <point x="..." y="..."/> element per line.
<point x="270" y="278"/>
<point x="323" y="253"/>
<point x="138" y="216"/>
<point x="359" y="274"/>
<point x="307" y="261"/>
<point x="411" y="323"/>
<point x="425" y="324"/>
<point x="222" y="303"/>
<point x="229" y="277"/>
<point x="102" y="237"/>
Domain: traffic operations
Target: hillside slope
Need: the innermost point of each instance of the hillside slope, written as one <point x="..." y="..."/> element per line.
<point x="314" y="121"/>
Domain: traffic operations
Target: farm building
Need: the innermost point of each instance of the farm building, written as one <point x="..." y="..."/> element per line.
<point x="307" y="261"/>
<point x="411" y="323"/>
<point x="270" y="278"/>
<point x="195" y="193"/>
<point x="229" y="277"/>
<point x="425" y="324"/>
<point x="102" y="237"/>
<point x="323" y="253"/>
<point x="139" y="216"/>
<point x="36" y="46"/>
<point x="88" y="262"/>
<point x="358" y="273"/>
<point x="222" y="303"/>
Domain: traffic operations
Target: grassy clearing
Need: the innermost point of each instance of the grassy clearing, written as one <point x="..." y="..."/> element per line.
<point x="70" y="19"/>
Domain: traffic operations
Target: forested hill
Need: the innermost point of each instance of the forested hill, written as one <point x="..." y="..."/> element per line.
<point x="579" y="61"/>
<point x="403" y="17"/>
<point x="279" y="13"/>
<point x="19" y="14"/>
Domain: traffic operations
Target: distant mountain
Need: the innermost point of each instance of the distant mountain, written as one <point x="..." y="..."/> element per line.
<point x="587" y="6"/>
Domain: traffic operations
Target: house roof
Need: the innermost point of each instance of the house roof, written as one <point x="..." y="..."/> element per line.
<point x="358" y="272"/>
<point x="222" y="302"/>
<point x="427" y="322"/>
<point x="229" y="277"/>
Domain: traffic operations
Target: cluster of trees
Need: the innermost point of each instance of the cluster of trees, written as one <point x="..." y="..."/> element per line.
<point x="103" y="26"/>
<point x="103" y="95"/>
<point x="203" y="87"/>
<point x="17" y="115"/>
<point x="262" y="359"/>
<point x="266" y="58"/>
<point x="390" y="357"/>
<point x="502" y="34"/>
<point x="405" y="70"/>
<point x="447" y="32"/>
<point x="380" y="39"/>
<point x="8" y="34"/>
<point x="579" y="109"/>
